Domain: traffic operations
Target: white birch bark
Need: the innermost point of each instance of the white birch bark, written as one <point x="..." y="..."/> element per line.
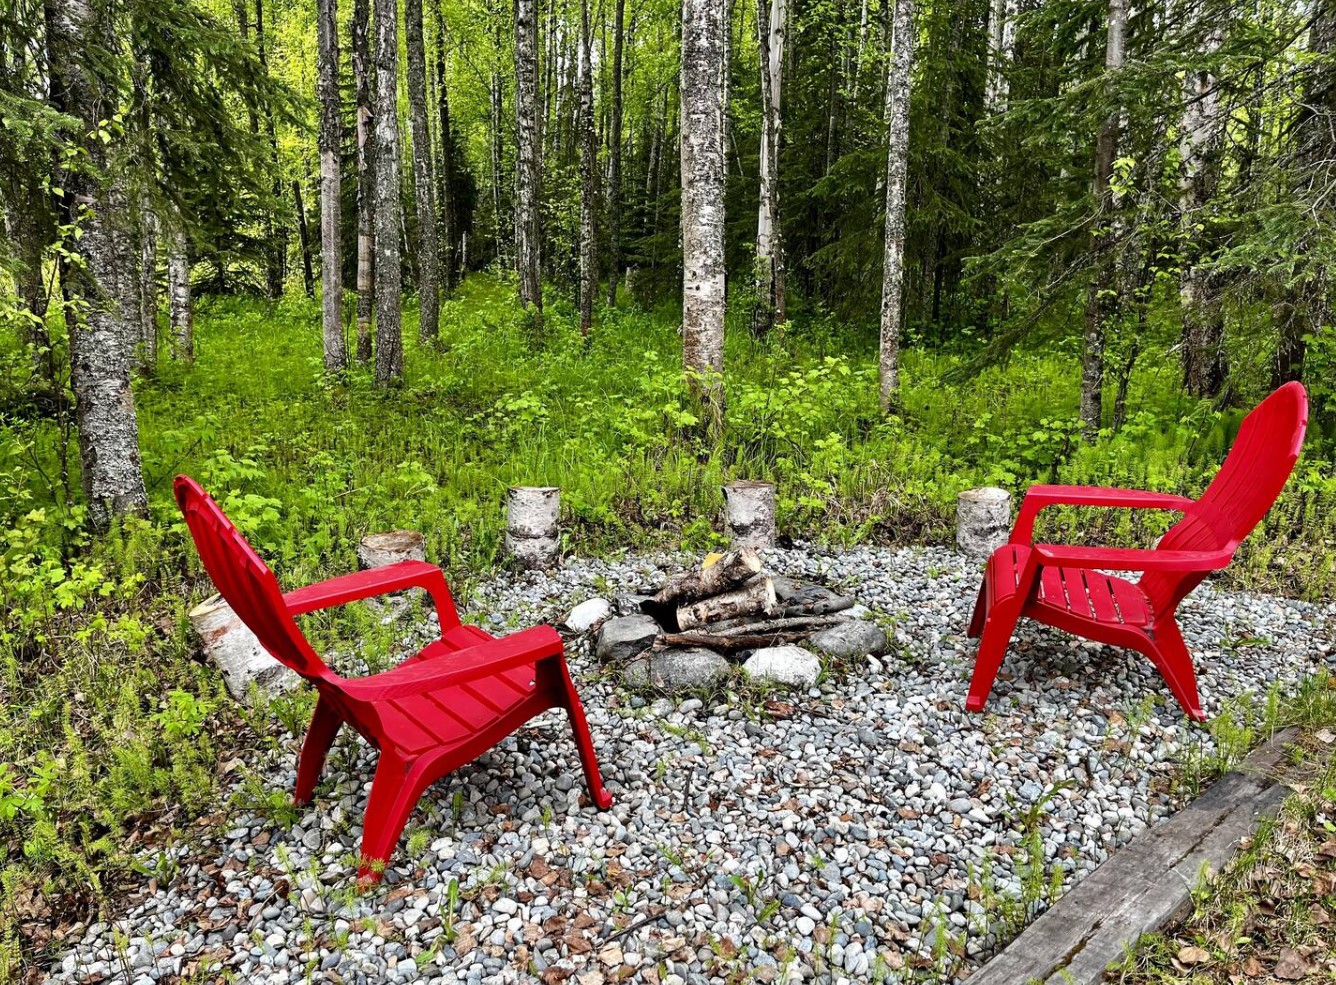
<point x="1001" y="38"/>
<point x="331" y="202"/>
<point x="389" y="340"/>
<point x="429" y="262"/>
<point x="528" y="256"/>
<point x="614" y="194"/>
<point x="897" y="166"/>
<point x="148" y="283"/>
<point x="588" y="179"/>
<point x="771" y="29"/>
<point x="101" y="328"/>
<point x="366" y="195"/>
<point x="1101" y="300"/>
<point x="178" y="298"/>
<point x="703" y="285"/>
<point x="1200" y="139"/>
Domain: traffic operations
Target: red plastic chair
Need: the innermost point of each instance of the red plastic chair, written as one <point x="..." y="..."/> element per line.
<point x="1064" y="587"/>
<point x="433" y="713"/>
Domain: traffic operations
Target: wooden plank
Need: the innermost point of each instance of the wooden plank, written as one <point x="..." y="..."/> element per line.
<point x="1146" y="884"/>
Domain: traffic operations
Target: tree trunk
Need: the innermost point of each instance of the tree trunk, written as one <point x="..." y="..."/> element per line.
<point x="389" y="341"/>
<point x="304" y="240"/>
<point x="445" y="171"/>
<point x="424" y="181"/>
<point x="588" y="179"/>
<point x="897" y="166"/>
<point x="498" y="176"/>
<point x="277" y="239"/>
<point x="1200" y="144"/>
<point x="178" y="298"/>
<point x="330" y="138"/>
<point x="528" y="256"/>
<point x="1001" y="34"/>
<point x="1102" y="298"/>
<point x="771" y="29"/>
<point x="703" y="286"/>
<point x="366" y="198"/>
<point x="148" y="284"/>
<point x="614" y="195"/>
<point x="101" y="330"/>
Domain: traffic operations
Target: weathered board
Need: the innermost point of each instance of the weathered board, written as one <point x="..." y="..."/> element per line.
<point x="1145" y="885"/>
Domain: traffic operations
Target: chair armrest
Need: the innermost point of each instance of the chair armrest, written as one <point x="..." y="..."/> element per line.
<point x="1039" y="497"/>
<point x="460" y="667"/>
<point x="376" y="581"/>
<point x="1132" y="559"/>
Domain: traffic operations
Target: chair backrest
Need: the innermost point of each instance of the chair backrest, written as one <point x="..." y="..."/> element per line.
<point x="244" y="580"/>
<point x="1248" y="483"/>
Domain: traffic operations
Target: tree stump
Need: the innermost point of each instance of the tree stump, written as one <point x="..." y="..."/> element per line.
<point x="983" y="520"/>
<point x="233" y="648"/>
<point x="532" y="532"/>
<point x="749" y="512"/>
<point x="378" y="550"/>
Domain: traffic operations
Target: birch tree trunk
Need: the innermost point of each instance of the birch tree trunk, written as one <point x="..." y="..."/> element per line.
<point x="1200" y="141"/>
<point x="528" y="256"/>
<point x="366" y="197"/>
<point x="445" y="171"/>
<point x="101" y="330"/>
<point x="498" y="177"/>
<point x="1102" y="298"/>
<point x="329" y="139"/>
<point x="304" y="240"/>
<point x="148" y="284"/>
<point x="588" y="179"/>
<point x="771" y="29"/>
<point x="703" y="286"/>
<point x="389" y="341"/>
<point x="277" y="245"/>
<point x="897" y="166"/>
<point x="178" y="298"/>
<point x="1001" y="35"/>
<point x="429" y="297"/>
<point x="614" y="195"/>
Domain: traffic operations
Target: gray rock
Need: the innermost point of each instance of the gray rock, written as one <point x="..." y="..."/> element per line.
<point x="588" y="615"/>
<point x="850" y="639"/>
<point x="784" y="665"/>
<point x="677" y="669"/>
<point x="623" y="638"/>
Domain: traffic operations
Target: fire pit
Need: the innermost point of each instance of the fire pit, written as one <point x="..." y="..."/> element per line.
<point x="728" y="611"/>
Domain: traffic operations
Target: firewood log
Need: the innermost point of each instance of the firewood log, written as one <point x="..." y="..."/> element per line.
<point x="729" y="571"/>
<point x="757" y="595"/>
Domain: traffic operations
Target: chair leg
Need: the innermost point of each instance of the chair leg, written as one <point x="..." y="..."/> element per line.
<point x="394" y="793"/>
<point x="319" y="737"/>
<point x="1172" y="659"/>
<point x="992" y="648"/>
<point x="980" y="611"/>
<point x="583" y="740"/>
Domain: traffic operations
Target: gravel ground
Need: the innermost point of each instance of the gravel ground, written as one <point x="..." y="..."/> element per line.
<point x="875" y="831"/>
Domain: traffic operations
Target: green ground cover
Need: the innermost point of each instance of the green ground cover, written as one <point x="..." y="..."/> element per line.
<point x="111" y="733"/>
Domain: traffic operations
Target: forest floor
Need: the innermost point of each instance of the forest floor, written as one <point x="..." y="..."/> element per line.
<point x="868" y="829"/>
<point x="113" y="736"/>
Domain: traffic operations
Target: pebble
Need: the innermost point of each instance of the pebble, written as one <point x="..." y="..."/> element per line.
<point x="866" y="805"/>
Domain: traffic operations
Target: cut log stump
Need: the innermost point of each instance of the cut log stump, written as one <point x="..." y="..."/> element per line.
<point x="749" y="512"/>
<point x="235" y="651"/>
<point x="532" y="530"/>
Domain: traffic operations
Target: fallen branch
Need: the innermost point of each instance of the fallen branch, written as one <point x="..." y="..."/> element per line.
<point x="727" y="644"/>
<point x="732" y="627"/>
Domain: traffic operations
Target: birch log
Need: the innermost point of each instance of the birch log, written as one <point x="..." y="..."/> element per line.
<point x="728" y="572"/>
<point x="757" y="596"/>
<point x="983" y="520"/>
<point x="749" y="512"/>
<point x="703" y="290"/>
<point x="532" y="530"/>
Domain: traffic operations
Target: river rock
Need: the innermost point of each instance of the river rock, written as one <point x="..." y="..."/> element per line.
<point x="677" y="669"/>
<point x="784" y="665"/>
<point x="850" y="639"/>
<point x="622" y="638"/>
<point x="588" y="615"/>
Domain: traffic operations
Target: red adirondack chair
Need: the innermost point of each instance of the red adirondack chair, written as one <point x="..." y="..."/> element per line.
<point x="436" y="711"/>
<point x="1064" y="587"/>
